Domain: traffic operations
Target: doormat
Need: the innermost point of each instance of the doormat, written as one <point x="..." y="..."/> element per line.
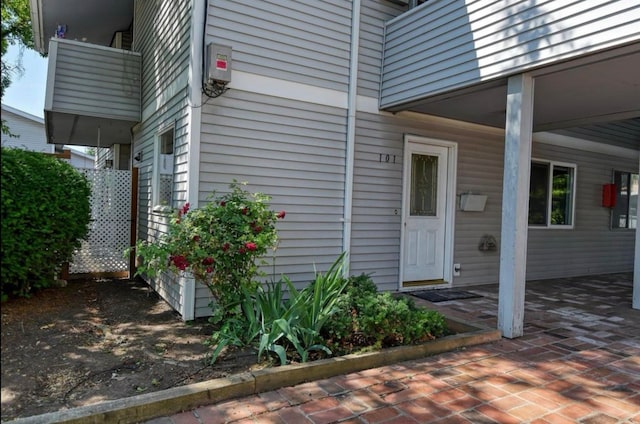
<point x="442" y="295"/>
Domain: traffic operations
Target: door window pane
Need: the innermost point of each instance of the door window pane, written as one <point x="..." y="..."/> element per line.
<point x="424" y="185"/>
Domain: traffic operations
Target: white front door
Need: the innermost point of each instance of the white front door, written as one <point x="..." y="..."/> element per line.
<point x="424" y="214"/>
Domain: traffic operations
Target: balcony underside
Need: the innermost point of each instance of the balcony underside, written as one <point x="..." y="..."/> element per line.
<point x="82" y="130"/>
<point x="599" y="96"/>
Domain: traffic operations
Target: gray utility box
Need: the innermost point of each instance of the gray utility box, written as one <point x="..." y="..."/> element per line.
<point x="218" y="63"/>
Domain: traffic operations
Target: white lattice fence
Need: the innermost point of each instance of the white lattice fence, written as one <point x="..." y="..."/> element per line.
<point x="110" y="229"/>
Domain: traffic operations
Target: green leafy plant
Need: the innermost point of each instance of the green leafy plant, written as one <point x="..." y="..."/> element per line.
<point x="375" y="320"/>
<point x="290" y="327"/>
<point x="219" y="244"/>
<point x="314" y="305"/>
<point x="45" y="216"/>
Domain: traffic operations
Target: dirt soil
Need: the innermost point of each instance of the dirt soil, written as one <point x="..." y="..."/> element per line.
<point x="94" y="341"/>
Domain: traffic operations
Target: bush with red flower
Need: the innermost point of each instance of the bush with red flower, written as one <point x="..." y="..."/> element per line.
<point x="220" y="244"/>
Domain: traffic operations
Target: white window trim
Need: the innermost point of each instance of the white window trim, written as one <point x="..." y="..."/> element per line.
<point x="611" y="227"/>
<point x="155" y="174"/>
<point x="552" y="164"/>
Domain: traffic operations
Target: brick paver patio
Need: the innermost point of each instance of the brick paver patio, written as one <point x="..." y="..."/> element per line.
<point x="578" y="362"/>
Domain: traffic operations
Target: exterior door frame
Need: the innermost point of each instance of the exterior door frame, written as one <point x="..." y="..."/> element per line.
<point x="450" y="198"/>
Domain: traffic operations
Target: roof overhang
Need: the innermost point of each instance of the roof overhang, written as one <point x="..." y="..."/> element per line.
<point x="597" y="91"/>
<point x="80" y="18"/>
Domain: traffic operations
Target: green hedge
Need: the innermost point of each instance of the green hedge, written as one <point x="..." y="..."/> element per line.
<point x="45" y="215"/>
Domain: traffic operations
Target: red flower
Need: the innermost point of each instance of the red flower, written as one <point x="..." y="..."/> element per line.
<point x="244" y="210"/>
<point x="180" y="262"/>
<point x="241" y="250"/>
<point x="209" y="269"/>
<point x="207" y="261"/>
<point x="223" y="203"/>
<point x="250" y="246"/>
<point x="196" y="238"/>
<point x="257" y="229"/>
<point x="225" y="247"/>
<point x="185" y="208"/>
<point x="281" y="214"/>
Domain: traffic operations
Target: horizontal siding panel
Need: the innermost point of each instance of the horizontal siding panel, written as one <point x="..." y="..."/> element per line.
<point x="86" y="77"/>
<point x="446" y="45"/>
<point x="291" y="151"/>
<point x="373" y="15"/>
<point x="621" y="133"/>
<point x="591" y="247"/>
<point x="375" y="225"/>
<point x="166" y="52"/>
<point x="302" y="41"/>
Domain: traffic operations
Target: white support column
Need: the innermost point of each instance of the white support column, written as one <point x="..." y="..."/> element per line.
<point x="515" y="205"/>
<point x="636" y="266"/>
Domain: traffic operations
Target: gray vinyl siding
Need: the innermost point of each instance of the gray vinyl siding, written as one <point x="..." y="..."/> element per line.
<point x="203" y="299"/>
<point x="306" y="41"/>
<point x="161" y="34"/>
<point x="591" y="247"/>
<point x="86" y="77"/>
<point x="292" y="151"/>
<point x="376" y="228"/>
<point x="373" y="15"/>
<point x="619" y="134"/>
<point x="443" y="45"/>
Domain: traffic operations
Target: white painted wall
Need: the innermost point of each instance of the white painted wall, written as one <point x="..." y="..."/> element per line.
<point x="28" y="128"/>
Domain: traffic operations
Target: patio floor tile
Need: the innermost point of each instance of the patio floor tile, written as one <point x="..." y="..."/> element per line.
<point x="578" y="362"/>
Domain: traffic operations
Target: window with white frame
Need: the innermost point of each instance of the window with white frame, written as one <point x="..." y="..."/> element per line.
<point x="625" y="212"/>
<point x="163" y="168"/>
<point x="552" y="194"/>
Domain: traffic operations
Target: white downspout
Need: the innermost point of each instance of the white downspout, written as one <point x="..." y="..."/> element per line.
<point x="195" y="100"/>
<point x="351" y="129"/>
<point x="194" y="85"/>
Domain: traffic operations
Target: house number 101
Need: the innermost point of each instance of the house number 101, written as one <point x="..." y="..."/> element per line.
<point x="387" y="158"/>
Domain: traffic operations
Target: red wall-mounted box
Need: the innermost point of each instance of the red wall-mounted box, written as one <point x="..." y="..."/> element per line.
<point x="608" y="195"/>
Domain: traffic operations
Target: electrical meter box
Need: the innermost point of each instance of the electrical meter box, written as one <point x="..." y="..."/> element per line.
<point x="218" y="63"/>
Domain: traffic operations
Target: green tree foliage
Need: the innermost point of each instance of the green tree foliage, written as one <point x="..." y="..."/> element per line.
<point x="16" y="30"/>
<point x="45" y="215"/>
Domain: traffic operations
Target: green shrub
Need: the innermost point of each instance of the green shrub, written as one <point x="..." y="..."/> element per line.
<point x="367" y="318"/>
<point x="332" y="315"/>
<point x="219" y="244"/>
<point x="45" y="215"/>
